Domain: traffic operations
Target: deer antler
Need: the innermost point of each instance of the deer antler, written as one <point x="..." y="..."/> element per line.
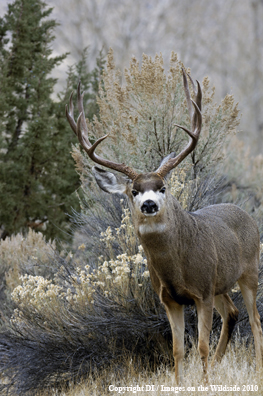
<point x="196" y="124"/>
<point x="81" y="130"/>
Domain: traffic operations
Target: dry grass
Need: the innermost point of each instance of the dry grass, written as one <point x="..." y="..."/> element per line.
<point x="236" y="369"/>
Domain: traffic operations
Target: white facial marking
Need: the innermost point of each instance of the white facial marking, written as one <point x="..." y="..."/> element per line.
<point x="156" y="196"/>
<point x="150" y="214"/>
<point x="151" y="227"/>
<point x="152" y="195"/>
<point x="150" y="206"/>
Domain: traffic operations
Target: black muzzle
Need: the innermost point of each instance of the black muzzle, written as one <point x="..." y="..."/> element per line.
<point x="149" y="206"/>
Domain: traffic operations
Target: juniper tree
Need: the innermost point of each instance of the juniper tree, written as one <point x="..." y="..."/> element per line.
<point x="37" y="176"/>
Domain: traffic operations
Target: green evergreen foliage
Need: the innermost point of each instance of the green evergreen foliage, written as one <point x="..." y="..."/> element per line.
<point x="37" y="176"/>
<point x="90" y="82"/>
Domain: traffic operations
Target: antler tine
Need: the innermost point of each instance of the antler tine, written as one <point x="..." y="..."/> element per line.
<point x="80" y="97"/>
<point x="70" y="115"/>
<point x="192" y="82"/>
<point x="196" y="123"/>
<point x="81" y="130"/>
<point x="197" y="98"/>
<point x="84" y="141"/>
<point x="187" y="93"/>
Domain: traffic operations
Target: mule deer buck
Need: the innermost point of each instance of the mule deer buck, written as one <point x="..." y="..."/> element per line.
<point x="192" y="257"/>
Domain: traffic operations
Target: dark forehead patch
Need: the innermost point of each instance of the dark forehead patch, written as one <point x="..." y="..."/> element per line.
<point x="147" y="182"/>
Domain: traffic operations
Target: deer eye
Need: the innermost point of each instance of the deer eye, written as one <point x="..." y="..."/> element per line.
<point x="134" y="193"/>
<point x="162" y="190"/>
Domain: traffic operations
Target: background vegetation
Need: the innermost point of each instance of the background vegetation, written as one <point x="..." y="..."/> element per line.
<point x="84" y="309"/>
<point x="221" y="38"/>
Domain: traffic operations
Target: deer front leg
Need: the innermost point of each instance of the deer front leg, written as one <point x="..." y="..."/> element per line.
<point x="205" y="318"/>
<point x="175" y="314"/>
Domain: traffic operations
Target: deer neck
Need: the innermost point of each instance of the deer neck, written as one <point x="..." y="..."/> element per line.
<point x="165" y="241"/>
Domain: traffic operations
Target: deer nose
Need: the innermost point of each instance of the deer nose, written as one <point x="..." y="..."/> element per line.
<point x="149" y="206"/>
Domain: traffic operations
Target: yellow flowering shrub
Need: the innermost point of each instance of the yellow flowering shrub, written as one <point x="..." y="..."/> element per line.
<point x="181" y="186"/>
<point x="113" y="276"/>
<point x="35" y="291"/>
<point x="124" y="234"/>
<point x="19" y="250"/>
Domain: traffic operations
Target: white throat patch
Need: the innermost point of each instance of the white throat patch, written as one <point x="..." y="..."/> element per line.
<point x="151" y="227"/>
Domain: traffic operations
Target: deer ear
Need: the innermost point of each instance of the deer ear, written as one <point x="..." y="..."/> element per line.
<point x="108" y="182"/>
